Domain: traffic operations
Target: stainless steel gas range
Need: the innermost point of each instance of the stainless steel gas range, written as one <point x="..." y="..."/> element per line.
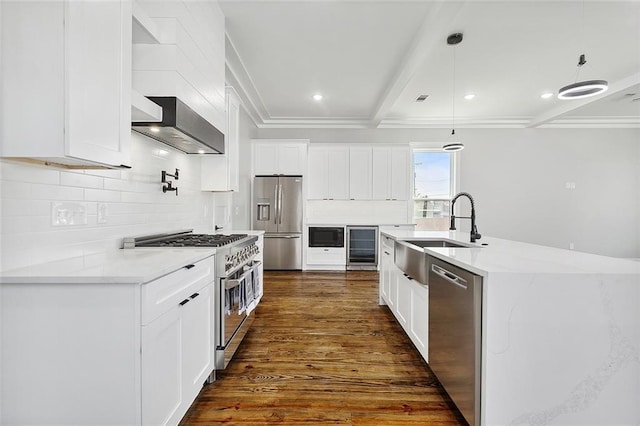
<point x="238" y="282"/>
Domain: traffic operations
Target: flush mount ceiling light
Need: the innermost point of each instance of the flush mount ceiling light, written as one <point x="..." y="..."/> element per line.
<point x="317" y="97"/>
<point x="546" y="95"/>
<point x="452" y="147"/>
<point x="469" y="96"/>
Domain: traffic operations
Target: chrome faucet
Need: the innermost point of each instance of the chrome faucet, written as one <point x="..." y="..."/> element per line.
<point x="474" y="231"/>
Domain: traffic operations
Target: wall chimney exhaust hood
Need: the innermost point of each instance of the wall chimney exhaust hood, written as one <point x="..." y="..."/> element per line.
<point x="182" y="128"/>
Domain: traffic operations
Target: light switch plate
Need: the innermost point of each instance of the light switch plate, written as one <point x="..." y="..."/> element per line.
<point x="68" y="214"/>
<point x="102" y="213"/>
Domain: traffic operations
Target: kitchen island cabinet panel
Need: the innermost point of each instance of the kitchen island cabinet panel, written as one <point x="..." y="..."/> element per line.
<point x="69" y="65"/>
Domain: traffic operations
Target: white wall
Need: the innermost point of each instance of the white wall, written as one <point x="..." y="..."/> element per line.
<point x="241" y="201"/>
<point x="134" y="201"/>
<point x="518" y="177"/>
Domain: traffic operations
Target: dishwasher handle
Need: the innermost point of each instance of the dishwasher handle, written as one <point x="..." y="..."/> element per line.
<point x="449" y="276"/>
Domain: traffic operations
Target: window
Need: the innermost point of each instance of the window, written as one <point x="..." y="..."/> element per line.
<point x="433" y="186"/>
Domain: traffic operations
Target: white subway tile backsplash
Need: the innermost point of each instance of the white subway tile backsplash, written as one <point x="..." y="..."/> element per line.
<point x="135" y="205"/>
<point x="28" y="173"/>
<point x="11" y="190"/>
<point x="80" y="179"/>
<point x="101" y="195"/>
<point x="54" y="192"/>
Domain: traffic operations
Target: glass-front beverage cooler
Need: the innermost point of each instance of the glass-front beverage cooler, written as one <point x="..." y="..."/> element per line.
<point x="362" y="247"/>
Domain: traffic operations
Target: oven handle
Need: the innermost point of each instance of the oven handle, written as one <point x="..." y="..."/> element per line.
<point x="236" y="281"/>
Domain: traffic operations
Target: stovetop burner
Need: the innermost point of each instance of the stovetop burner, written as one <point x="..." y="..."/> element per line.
<point x="194" y="240"/>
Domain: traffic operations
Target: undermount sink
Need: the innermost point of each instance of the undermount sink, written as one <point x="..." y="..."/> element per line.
<point x="436" y="243"/>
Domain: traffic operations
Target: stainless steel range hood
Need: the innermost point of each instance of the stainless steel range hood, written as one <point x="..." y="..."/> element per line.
<point x="182" y="128"/>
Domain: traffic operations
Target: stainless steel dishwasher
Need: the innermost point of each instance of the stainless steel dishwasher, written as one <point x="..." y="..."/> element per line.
<point x="455" y="318"/>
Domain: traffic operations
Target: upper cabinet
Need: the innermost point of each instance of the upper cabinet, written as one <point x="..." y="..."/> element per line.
<point x="359" y="172"/>
<point x="328" y="173"/>
<point x="220" y="172"/>
<point x="391" y="173"/>
<point x="279" y="157"/>
<point x="66" y="79"/>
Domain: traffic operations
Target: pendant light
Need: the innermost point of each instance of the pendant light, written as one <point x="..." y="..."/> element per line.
<point x="453" y="40"/>
<point x="582" y="89"/>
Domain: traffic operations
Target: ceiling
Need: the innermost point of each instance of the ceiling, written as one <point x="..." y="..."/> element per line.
<point x="372" y="59"/>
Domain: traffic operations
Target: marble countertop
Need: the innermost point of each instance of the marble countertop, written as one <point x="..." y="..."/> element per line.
<point x="135" y="266"/>
<point x="506" y="256"/>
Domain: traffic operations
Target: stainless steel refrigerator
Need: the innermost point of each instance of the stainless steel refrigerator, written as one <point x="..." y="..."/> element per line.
<point x="277" y="210"/>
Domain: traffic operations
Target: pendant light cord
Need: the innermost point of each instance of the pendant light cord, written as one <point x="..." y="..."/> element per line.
<point x="453" y="107"/>
<point x="582" y="60"/>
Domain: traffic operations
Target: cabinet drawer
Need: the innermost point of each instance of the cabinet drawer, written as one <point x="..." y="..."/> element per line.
<point x="160" y="295"/>
<point x="326" y="256"/>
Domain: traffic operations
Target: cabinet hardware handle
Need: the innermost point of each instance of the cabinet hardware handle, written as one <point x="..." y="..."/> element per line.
<point x="184" y="302"/>
<point x="194" y="295"/>
<point x="189" y="266"/>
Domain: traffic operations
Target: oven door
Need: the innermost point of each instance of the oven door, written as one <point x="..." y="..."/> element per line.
<point x="237" y="298"/>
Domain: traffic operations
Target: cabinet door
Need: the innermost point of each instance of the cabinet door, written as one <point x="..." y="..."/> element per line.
<point x="98" y="84"/>
<point x="360" y="173"/>
<point x="381" y="174"/>
<point x="196" y="342"/>
<point x="161" y="369"/>
<point x="318" y="180"/>
<point x="386" y="264"/>
<point x="400" y="173"/>
<point x="393" y="289"/>
<point x="419" y="321"/>
<point x="292" y="159"/>
<point x="338" y="173"/>
<point x="403" y="311"/>
<point x="265" y="159"/>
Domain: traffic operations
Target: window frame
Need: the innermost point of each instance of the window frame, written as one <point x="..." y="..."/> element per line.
<point x="454" y="174"/>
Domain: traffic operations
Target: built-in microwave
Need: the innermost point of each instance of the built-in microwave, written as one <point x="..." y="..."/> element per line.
<point x="326" y="236"/>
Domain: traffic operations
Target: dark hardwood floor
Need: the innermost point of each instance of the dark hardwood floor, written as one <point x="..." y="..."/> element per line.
<point x="321" y="351"/>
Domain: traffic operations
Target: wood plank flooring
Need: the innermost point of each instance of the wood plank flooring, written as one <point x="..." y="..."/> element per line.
<point x="321" y="351"/>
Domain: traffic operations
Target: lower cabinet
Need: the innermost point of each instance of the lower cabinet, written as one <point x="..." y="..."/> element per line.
<point x="106" y="353"/>
<point x="326" y="258"/>
<point x="176" y="358"/>
<point x="407" y="299"/>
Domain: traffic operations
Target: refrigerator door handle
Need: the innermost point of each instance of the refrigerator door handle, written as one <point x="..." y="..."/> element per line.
<point x="280" y="203"/>
<point x="277" y="204"/>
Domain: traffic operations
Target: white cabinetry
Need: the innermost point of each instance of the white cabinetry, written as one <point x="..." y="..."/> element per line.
<point x="407" y="299"/>
<point x="328" y="173"/>
<point x="66" y="78"/>
<point x="107" y="353"/>
<point x="279" y="157"/>
<point x="220" y="172"/>
<point x="391" y="173"/>
<point x="326" y="258"/>
<point x="360" y="173"/>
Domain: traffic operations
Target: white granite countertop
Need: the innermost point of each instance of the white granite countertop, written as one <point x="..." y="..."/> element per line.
<point x="135" y="266"/>
<point x="500" y="255"/>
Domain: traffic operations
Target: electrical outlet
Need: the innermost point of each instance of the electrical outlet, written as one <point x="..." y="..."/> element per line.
<point x="68" y="214"/>
<point x="571" y="246"/>
<point x="102" y="213"/>
<point x="570" y="185"/>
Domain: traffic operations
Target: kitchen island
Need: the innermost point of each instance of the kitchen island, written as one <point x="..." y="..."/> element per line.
<point x="560" y="336"/>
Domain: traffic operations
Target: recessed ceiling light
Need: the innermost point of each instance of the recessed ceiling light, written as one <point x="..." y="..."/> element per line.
<point x="317" y="97"/>
<point x="154" y="129"/>
<point x="546" y="95"/>
<point x="201" y="151"/>
<point x="469" y="96"/>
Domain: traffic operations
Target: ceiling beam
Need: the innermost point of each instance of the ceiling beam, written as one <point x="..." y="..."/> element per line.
<point x="433" y="32"/>
<point x="568" y="107"/>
